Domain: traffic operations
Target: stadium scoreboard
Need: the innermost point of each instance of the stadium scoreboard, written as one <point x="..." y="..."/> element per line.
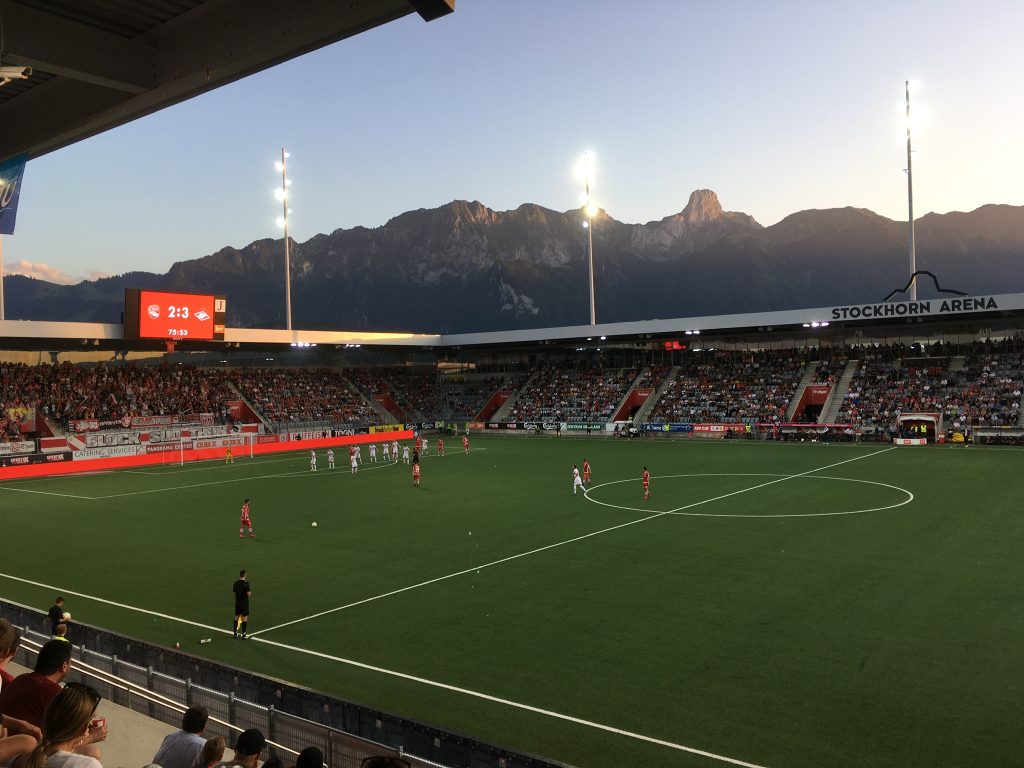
<point x="169" y="316"/>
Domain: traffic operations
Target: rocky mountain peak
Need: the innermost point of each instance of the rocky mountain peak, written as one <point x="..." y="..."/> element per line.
<point x="702" y="206"/>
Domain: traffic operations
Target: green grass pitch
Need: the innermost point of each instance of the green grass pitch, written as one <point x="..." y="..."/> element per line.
<point x="746" y="624"/>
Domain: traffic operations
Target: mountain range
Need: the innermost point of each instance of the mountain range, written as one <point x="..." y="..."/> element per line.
<point x="463" y="267"/>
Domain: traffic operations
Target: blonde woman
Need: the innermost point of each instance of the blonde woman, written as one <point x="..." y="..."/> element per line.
<point x="67" y="727"/>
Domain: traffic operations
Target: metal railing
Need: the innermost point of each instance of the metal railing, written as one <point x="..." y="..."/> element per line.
<point x="161" y="683"/>
<point x="164" y="698"/>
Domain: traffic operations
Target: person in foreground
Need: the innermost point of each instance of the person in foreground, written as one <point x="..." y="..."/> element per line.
<point x="66" y="726"/>
<point x="183" y="748"/>
<point x="247" y="750"/>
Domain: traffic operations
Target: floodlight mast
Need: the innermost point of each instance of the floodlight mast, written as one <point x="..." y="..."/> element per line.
<point x="589" y="211"/>
<point x="287" y="248"/>
<point x="910" y="204"/>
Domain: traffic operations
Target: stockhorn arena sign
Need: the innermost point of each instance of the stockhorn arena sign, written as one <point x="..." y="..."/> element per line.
<point x="930" y="307"/>
<point x="11" y="172"/>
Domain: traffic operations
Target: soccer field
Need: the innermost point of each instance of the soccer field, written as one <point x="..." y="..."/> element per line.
<point x="779" y="605"/>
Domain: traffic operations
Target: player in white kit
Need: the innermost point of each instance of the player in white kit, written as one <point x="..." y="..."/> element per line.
<point x="577" y="481"/>
<point x="394" y="449"/>
<point x="312" y="461"/>
<point x="355" y="464"/>
<point x="373" y="452"/>
<point x="330" y="458"/>
<point x="387" y="452"/>
<point x="405" y="454"/>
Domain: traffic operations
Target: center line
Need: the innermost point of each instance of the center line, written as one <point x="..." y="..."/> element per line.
<point x="552" y="546"/>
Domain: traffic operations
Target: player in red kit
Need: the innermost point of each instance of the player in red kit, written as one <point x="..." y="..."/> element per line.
<point x="465" y="444"/>
<point x="440" y="447"/>
<point x="246" y="522"/>
<point x="586" y="472"/>
<point x="416" y="473"/>
<point x="646" y="478"/>
<point x="419" y="444"/>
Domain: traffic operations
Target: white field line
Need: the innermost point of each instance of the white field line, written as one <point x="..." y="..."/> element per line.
<point x="453" y="575"/>
<point x="553" y="546"/>
<point x="176" y="469"/>
<point x="45" y="493"/>
<point x="404" y="676"/>
<point x="513" y="704"/>
<point x="363" y="466"/>
<point x="247" y="478"/>
<point x="678" y="510"/>
<point x="61" y="590"/>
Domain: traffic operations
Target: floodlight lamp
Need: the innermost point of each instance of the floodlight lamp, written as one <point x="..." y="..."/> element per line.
<point x="280" y="222"/>
<point x="287" y="154"/>
<point x="278" y="166"/>
<point x="592" y="210"/>
<point x="586" y="224"/>
<point x="807" y="325"/>
<point x="604" y="338"/>
<point x="280" y="194"/>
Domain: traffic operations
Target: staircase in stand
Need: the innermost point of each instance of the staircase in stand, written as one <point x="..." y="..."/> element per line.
<point x="806" y="380"/>
<point x="647" y="407"/>
<point x="386" y="417"/>
<point x="502" y="413"/>
<point x="831" y="409"/>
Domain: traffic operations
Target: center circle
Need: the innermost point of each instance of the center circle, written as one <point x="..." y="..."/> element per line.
<point x="684" y="510"/>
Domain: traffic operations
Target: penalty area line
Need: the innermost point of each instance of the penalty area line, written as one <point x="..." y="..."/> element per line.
<point x="246" y="479"/>
<point x="47" y="493"/>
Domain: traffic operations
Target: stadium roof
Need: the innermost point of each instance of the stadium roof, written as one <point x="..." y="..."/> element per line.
<point x="97" y="64"/>
<point x="952" y="314"/>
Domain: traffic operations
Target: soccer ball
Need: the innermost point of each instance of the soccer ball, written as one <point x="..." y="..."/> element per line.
<point x="314" y="525"/>
<point x="66" y="616"/>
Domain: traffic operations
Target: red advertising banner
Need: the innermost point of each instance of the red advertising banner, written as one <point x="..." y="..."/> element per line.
<point x="58" y="463"/>
<point x="81" y="426"/>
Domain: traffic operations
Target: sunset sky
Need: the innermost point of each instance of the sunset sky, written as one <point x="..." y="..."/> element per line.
<point x="778" y="107"/>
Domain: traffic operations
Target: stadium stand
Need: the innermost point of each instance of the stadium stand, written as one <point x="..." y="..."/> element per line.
<point x="973" y="384"/>
<point x="732" y="387"/>
<point x="572" y="393"/>
<point x="982" y="386"/>
<point x="465" y="396"/>
<point x="111" y="391"/>
<point x="290" y="395"/>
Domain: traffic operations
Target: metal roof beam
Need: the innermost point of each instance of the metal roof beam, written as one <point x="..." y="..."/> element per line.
<point x="214" y="44"/>
<point x="60" y="46"/>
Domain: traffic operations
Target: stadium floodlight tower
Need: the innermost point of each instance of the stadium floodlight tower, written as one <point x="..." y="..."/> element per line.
<point x="910" y="203"/>
<point x="585" y="171"/>
<point x="282" y="221"/>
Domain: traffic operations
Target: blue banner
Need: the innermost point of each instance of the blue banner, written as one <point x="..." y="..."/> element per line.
<point x="668" y="427"/>
<point x="11" y="172"/>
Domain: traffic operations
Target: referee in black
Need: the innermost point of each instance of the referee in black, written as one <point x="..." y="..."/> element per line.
<point x="242" y="592"/>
